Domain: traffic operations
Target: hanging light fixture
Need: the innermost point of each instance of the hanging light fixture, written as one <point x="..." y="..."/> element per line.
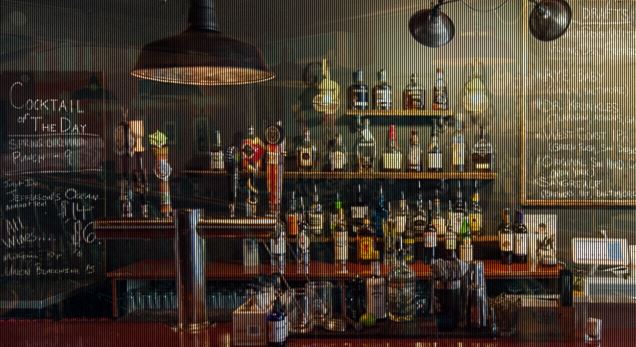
<point x="202" y="55"/>
<point x="549" y="19"/>
<point x="432" y="27"/>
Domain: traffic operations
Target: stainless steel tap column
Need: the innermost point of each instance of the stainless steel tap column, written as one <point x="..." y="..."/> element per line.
<point x="189" y="254"/>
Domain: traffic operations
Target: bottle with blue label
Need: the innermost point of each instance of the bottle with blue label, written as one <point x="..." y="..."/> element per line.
<point x="277" y="325"/>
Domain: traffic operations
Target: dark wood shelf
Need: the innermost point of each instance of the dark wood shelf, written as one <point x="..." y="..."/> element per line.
<point x="352" y="239"/>
<point x="400" y="113"/>
<point x="164" y="270"/>
<point x="484" y="176"/>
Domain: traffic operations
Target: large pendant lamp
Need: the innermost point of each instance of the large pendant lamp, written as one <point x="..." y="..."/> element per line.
<point x="549" y="19"/>
<point x="202" y="55"/>
<point x="431" y="27"/>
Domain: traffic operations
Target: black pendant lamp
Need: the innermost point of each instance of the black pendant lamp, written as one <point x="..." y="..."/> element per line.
<point x="549" y="19"/>
<point x="202" y="55"/>
<point x="432" y="27"/>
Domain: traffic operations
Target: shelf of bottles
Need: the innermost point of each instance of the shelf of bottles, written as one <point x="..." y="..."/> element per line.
<point x="400" y="113"/>
<point x="483" y="176"/>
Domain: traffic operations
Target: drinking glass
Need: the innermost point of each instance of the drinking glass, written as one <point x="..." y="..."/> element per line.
<point x="298" y="312"/>
<point x="321" y="299"/>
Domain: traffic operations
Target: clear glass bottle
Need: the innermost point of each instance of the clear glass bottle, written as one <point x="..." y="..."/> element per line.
<point x="338" y="155"/>
<point x="306" y="153"/>
<point x="217" y="161"/>
<point x="438" y="218"/>
<point x="475" y="216"/>
<point x="435" y="162"/>
<point x="358" y="93"/>
<point x="401" y="285"/>
<point x="521" y="238"/>
<point x="408" y="234"/>
<point x="341" y="239"/>
<point x="506" y="238"/>
<point x="390" y="237"/>
<point x="292" y="217"/>
<point x="334" y="217"/>
<point x="430" y="237"/>
<point x="414" y="163"/>
<point x="456" y="214"/>
<point x="365" y="149"/>
<point x="366" y="243"/>
<point x="376" y="292"/>
<point x="465" y="239"/>
<point x="278" y="247"/>
<point x="392" y="156"/>
<point x="482" y="154"/>
<point x="401" y="215"/>
<point x="450" y="242"/>
<point x="440" y="91"/>
<point x="380" y="214"/>
<point x="413" y="95"/>
<point x="382" y="93"/>
<point x="359" y="210"/>
<point x="303" y="243"/>
<point x="316" y="214"/>
<point x="458" y="160"/>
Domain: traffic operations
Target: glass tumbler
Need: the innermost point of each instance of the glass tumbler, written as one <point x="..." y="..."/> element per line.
<point x="298" y="311"/>
<point x="320" y="300"/>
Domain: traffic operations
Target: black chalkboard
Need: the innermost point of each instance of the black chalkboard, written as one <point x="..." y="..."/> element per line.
<point x="578" y="143"/>
<point x="51" y="186"/>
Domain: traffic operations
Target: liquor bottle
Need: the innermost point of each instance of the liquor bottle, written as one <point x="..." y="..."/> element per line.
<point x="438" y="218"/>
<point x="389" y="237"/>
<point x="430" y="237"/>
<point x="413" y="95"/>
<point x="506" y="238"/>
<point x="252" y="151"/>
<point x="456" y="215"/>
<point x="338" y="155"/>
<point x="521" y="238"/>
<point x="334" y="217"/>
<point x="482" y="154"/>
<point x="392" y="156"/>
<point x="401" y="215"/>
<point x="408" y="243"/>
<point x="359" y="210"/>
<point x="277" y="325"/>
<point x="376" y="292"/>
<point x="365" y="149"/>
<point x="217" y="161"/>
<point x="475" y="216"/>
<point x="341" y="239"/>
<point x="380" y="214"/>
<point x="316" y="214"/>
<point x="303" y="244"/>
<point x="292" y="217"/>
<point x="435" y="162"/>
<point x="450" y="242"/>
<point x="465" y="242"/>
<point x="306" y="153"/>
<point x="415" y="153"/>
<point x="358" y="93"/>
<point x="277" y="247"/>
<point x="366" y="243"/>
<point x="458" y="145"/>
<point x="440" y="92"/>
<point x="401" y="285"/>
<point x="382" y="93"/>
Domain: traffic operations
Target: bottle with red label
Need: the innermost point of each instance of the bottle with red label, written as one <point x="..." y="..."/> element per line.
<point x="252" y="151"/>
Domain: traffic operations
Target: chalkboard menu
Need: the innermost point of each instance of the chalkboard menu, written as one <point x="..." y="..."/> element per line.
<point x="578" y="130"/>
<point x="51" y="154"/>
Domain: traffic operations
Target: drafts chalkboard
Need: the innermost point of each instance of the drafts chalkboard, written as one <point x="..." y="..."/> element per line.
<point x="51" y="186"/>
<point x="578" y="144"/>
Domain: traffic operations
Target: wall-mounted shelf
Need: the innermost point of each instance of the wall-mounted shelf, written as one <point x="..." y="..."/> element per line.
<point x="419" y="239"/>
<point x="367" y="175"/>
<point x="399" y="113"/>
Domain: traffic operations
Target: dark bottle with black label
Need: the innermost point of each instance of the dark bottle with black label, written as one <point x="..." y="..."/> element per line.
<point x="358" y="93"/>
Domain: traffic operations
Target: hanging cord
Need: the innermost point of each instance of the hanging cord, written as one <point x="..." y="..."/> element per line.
<point x="465" y="2"/>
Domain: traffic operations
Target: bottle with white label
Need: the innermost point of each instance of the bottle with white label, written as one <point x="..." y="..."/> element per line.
<point x="278" y="245"/>
<point x="434" y="154"/>
<point x="429" y="234"/>
<point x="392" y="156"/>
<point x="316" y="214"/>
<point x="456" y="214"/>
<point x="521" y="238"/>
<point x="303" y="242"/>
<point x="439" y="222"/>
<point x="458" y="145"/>
<point x="376" y="292"/>
<point x="217" y="162"/>
<point x="341" y="240"/>
<point x="401" y="215"/>
<point x="359" y="210"/>
<point x="414" y="161"/>
<point x="277" y="325"/>
<point x="338" y="155"/>
<point x="382" y="93"/>
<point x="506" y="238"/>
<point x="306" y="153"/>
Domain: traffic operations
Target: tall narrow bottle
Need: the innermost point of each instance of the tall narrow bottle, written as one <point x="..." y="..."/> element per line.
<point x="450" y="241"/>
<point x="341" y="239"/>
<point x="414" y="162"/>
<point x="434" y="154"/>
<point x="291" y="217"/>
<point x="376" y="292"/>
<point x="380" y="214"/>
<point x="252" y="151"/>
<point x="278" y="247"/>
<point x="413" y="95"/>
<point x="458" y="145"/>
<point x="521" y="238"/>
<point x="438" y="218"/>
<point x="392" y="156"/>
<point x="475" y="216"/>
<point x="277" y="325"/>
<point x="456" y="215"/>
<point x="465" y="239"/>
<point x="306" y="153"/>
<point x="338" y="155"/>
<point x="365" y="149"/>
<point x="401" y="215"/>
<point x="390" y="237"/>
<point x="359" y="210"/>
<point x="430" y="237"/>
<point x="382" y="93"/>
<point x="506" y="238"/>
<point x="217" y="162"/>
<point x="482" y="154"/>
<point x="440" y="91"/>
<point x="316" y="214"/>
<point x="401" y="291"/>
<point x="358" y="93"/>
<point x="334" y="217"/>
<point x="303" y="243"/>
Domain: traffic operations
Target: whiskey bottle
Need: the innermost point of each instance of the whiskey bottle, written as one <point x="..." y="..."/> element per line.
<point x="440" y="91"/>
<point x="520" y="250"/>
<point x="365" y="149"/>
<point x="438" y="218"/>
<point x="334" y="217"/>
<point x="292" y="216"/>
<point x="376" y="292"/>
<point x="475" y="216"/>
<point x="401" y="285"/>
<point x="359" y="210"/>
<point x="338" y="155"/>
<point x="450" y="242"/>
<point x="217" y="162"/>
<point x="358" y="93"/>
<point x="458" y="145"/>
<point x="316" y="214"/>
<point x="392" y="156"/>
<point x="366" y="243"/>
<point x="434" y="152"/>
<point x="389" y="238"/>
<point x="401" y="215"/>
<point x="380" y="214"/>
<point x="430" y="237"/>
<point x="506" y="238"/>
<point x="482" y="154"/>
<point x="382" y="93"/>
<point x="341" y="239"/>
<point x="456" y="215"/>
<point x="413" y="95"/>
<point x="414" y="163"/>
<point x="303" y="241"/>
<point x="278" y="246"/>
<point x="465" y="242"/>
<point x="306" y="153"/>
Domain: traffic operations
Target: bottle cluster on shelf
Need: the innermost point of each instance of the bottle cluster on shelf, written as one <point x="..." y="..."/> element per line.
<point x="380" y="97"/>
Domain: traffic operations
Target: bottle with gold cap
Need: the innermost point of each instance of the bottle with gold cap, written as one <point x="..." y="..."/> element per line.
<point x="366" y="243"/>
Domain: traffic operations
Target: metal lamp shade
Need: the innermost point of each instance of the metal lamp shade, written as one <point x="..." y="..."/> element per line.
<point x="431" y="27"/>
<point x="550" y="19"/>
